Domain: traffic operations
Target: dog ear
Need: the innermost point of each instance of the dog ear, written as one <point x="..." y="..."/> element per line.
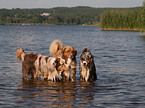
<point x="92" y="57"/>
<point x="75" y="51"/>
<point x="56" y="63"/>
<point x="63" y="50"/>
<point x="93" y="71"/>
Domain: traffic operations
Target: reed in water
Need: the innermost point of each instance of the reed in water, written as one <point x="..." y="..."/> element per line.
<point x="120" y="19"/>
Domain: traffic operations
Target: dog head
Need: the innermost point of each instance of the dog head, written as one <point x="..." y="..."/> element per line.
<point x="60" y="65"/>
<point x="69" y="52"/>
<point x="20" y="54"/>
<point x="86" y="57"/>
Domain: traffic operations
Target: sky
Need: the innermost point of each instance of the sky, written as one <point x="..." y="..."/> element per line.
<point x="9" y="4"/>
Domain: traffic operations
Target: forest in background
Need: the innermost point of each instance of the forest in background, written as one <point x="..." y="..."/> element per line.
<point x="81" y="15"/>
<point x="58" y="16"/>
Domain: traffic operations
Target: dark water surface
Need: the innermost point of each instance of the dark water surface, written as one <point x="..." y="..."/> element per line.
<point x="119" y="58"/>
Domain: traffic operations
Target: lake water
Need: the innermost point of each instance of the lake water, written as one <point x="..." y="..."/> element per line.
<point x="119" y="58"/>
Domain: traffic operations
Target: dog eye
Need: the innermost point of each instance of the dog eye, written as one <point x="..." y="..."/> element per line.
<point x="82" y="59"/>
<point x="88" y="58"/>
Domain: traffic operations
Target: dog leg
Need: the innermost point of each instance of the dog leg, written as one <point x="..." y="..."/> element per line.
<point x="73" y="77"/>
<point x="35" y="76"/>
<point x="82" y="79"/>
<point x="25" y="71"/>
<point x="64" y="77"/>
<point x="81" y="76"/>
<point x="33" y="73"/>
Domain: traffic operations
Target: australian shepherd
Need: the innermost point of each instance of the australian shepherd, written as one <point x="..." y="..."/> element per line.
<point x="46" y="67"/>
<point x="69" y="54"/>
<point x="87" y="66"/>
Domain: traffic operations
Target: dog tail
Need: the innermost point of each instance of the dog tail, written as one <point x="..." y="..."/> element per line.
<point x="20" y="54"/>
<point x="55" y="46"/>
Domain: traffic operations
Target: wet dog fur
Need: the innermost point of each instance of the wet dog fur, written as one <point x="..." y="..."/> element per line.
<point x="46" y="67"/>
<point x="69" y="54"/>
<point x="87" y="66"/>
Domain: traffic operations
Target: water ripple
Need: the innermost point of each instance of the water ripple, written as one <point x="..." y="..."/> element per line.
<point x="119" y="59"/>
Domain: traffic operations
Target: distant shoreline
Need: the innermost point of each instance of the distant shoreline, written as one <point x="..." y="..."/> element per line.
<point x="121" y="29"/>
<point x="97" y="24"/>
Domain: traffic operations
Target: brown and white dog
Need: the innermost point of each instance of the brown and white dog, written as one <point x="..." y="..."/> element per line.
<point x="46" y="67"/>
<point x="69" y="54"/>
<point x="87" y="66"/>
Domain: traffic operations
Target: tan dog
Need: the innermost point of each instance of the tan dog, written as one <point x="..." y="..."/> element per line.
<point x="69" y="54"/>
<point x="36" y="64"/>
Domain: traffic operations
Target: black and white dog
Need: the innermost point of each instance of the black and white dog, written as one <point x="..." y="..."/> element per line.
<point x="87" y="66"/>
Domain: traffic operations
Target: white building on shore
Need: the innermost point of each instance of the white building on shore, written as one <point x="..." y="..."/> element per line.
<point x="45" y="14"/>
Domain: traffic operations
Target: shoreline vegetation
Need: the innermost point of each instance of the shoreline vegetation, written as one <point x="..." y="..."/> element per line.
<point x="126" y="20"/>
<point x="120" y="19"/>
<point x="122" y="29"/>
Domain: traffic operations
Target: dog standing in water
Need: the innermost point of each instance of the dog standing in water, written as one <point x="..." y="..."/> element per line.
<point x="69" y="54"/>
<point x="47" y="67"/>
<point x="87" y="66"/>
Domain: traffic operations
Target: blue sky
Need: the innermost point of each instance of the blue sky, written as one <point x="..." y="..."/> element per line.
<point x="68" y="3"/>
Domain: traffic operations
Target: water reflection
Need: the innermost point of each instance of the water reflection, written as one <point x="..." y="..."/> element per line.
<point x="57" y="94"/>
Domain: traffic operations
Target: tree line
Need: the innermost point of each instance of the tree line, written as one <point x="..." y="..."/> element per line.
<point x="120" y="19"/>
<point x="59" y="16"/>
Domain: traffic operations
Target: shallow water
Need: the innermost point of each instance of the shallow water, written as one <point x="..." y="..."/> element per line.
<point x="119" y="59"/>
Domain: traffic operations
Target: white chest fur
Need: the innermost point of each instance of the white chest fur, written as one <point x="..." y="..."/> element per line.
<point x="71" y="71"/>
<point x="85" y="72"/>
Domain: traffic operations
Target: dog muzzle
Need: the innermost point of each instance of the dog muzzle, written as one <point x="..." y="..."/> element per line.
<point x="85" y="63"/>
